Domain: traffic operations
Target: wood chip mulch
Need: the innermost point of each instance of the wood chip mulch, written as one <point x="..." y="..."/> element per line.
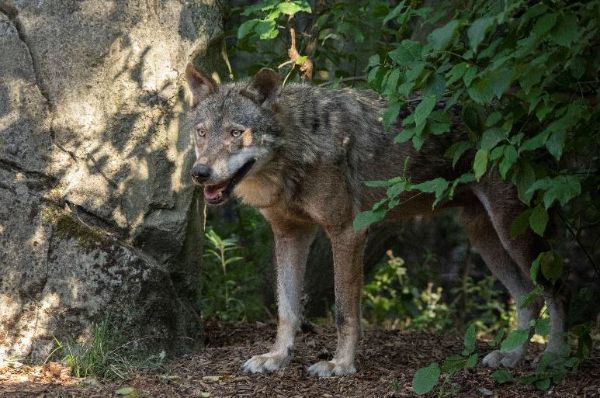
<point x="386" y="365"/>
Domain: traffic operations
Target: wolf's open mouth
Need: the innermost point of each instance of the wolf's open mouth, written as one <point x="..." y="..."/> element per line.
<point x="217" y="193"/>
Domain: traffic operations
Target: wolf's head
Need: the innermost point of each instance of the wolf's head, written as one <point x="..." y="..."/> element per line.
<point x="233" y="129"/>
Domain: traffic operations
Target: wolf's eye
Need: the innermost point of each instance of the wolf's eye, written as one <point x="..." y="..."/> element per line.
<point x="201" y="131"/>
<point x="236" y="132"/>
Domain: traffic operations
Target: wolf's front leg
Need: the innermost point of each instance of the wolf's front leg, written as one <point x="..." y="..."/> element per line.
<point x="348" y="247"/>
<point x="291" y="252"/>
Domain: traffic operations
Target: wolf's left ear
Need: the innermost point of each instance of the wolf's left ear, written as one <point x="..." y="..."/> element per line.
<point x="200" y="84"/>
<point x="266" y="83"/>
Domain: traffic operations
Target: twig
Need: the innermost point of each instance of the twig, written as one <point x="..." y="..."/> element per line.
<point x="225" y="57"/>
<point x="306" y="68"/>
<point x="589" y="257"/>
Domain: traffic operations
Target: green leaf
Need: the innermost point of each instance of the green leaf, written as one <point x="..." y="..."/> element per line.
<point x="408" y="51"/>
<point x="266" y="29"/>
<point x="491" y="137"/>
<point x="398" y="188"/>
<point x="469" y="340"/>
<point x="509" y="159"/>
<point x="556" y="143"/>
<point x="246" y="27"/>
<point x="457" y="72"/>
<point x="502" y="376"/>
<point x="457" y="149"/>
<point x="379" y="183"/>
<point x="437" y="186"/>
<point x="514" y="340"/>
<point x="523" y="179"/>
<point x="469" y="75"/>
<point x="366" y="218"/>
<point x="566" y="31"/>
<point x="471" y="361"/>
<point x="424" y="108"/>
<point x="465" y="178"/>
<point x="374" y="61"/>
<point x="406" y="134"/>
<point x="492" y="119"/>
<point x="435" y="86"/>
<point x="490" y="84"/>
<point x="291" y="8"/>
<point x="390" y="82"/>
<point x="454" y="364"/>
<point x="543" y="384"/>
<point x="533" y="295"/>
<point x="415" y="71"/>
<point x="542" y="326"/>
<point x="520" y="224"/>
<point x="418" y="141"/>
<point x="551" y="265"/>
<point x="441" y="37"/>
<point x="426" y="378"/>
<point x="391" y="113"/>
<point x="563" y="189"/>
<point x="538" y="220"/>
<point x="544" y="24"/>
<point x="480" y="163"/>
<point x="394" y="13"/>
<point x="500" y="80"/>
<point x="478" y="29"/>
<point x="437" y="128"/>
<point x="481" y="91"/>
<point x="536" y="142"/>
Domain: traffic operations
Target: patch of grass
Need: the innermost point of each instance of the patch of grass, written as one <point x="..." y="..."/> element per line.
<point x="107" y="354"/>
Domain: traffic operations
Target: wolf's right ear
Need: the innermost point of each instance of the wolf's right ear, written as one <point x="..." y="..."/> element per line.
<point x="266" y="83"/>
<point x="200" y="84"/>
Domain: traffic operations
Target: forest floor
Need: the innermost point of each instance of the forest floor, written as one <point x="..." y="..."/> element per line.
<point x="386" y="362"/>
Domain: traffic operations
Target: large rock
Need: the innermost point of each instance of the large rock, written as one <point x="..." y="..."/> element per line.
<point x="97" y="214"/>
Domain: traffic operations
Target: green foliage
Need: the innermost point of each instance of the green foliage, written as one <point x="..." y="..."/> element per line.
<point x="482" y="303"/>
<point x="228" y="286"/>
<point x="106" y="354"/>
<point x="392" y="299"/>
<point x="269" y="13"/>
<point x="519" y="67"/>
<point x="514" y="340"/>
<point x="427" y="378"/>
<point x="502" y="376"/>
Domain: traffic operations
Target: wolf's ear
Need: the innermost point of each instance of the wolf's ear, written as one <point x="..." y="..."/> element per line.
<point x="200" y="84"/>
<point x="266" y="83"/>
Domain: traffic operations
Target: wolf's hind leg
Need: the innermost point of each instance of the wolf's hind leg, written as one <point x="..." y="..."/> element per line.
<point x="486" y="241"/>
<point x="523" y="251"/>
<point x="291" y="252"/>
<point x="348" y="247"/>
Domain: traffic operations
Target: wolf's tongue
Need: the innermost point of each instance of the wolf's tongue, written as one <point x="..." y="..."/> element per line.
<point x="212" y="192"/>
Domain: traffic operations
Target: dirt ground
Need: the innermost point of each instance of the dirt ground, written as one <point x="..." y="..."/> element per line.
<point x="386" y="364"/>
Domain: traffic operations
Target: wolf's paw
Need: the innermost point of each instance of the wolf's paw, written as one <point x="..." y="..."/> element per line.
<point x="496" y="358"/>
<point x="331" y="368"/>
<point x="269" y="362"/>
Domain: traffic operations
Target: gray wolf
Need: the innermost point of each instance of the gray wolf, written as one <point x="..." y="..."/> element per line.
<point x="301" y="155"/>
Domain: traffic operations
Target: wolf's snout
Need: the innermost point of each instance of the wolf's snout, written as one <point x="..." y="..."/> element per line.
<point x="200" y="172"/>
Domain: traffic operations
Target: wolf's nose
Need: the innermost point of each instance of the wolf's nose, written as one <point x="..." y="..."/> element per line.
<point x="200" y="172"/>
